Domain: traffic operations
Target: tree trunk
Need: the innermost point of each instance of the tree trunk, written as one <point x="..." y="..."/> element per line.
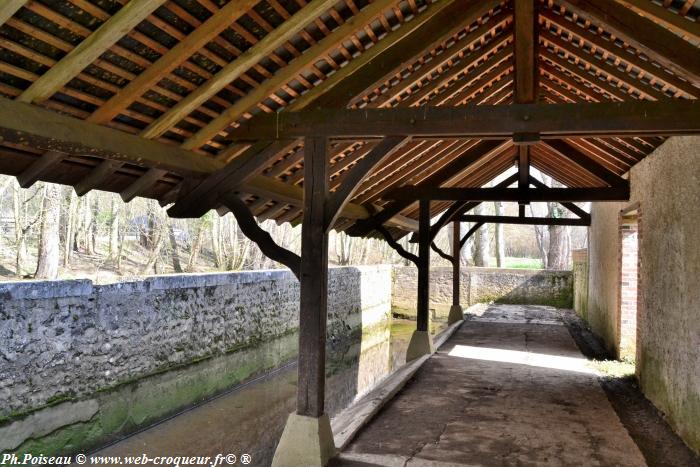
<point x="559" y="253"/>
<point x="196" y="246"/>
<point x="498" y="235"/>
<point x="49" y="250"/>
<point x="173" y="247"/>
<point x="480" y="250"/>
<point x="113" y="228"/>
<point x="17" y="203"/>
<point x="69" y="241"/>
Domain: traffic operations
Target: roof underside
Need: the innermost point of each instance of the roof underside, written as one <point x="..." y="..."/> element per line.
<point x="184" y="76"/>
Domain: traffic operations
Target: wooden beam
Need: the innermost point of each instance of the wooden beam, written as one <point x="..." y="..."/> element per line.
<point x="469" y="233"/>
<point x="416" y="193"/>
<point x="96" y="176"/>
<point x="439" y="251"/>
<point x="524" y="220"/>
<point x="44" y="129"/>
<point x="423" y="305"/>
<point x="240" y="65"/>
<point x="679" y="24"/>
<point x="599" y="41"/>
<point x="283" y="76"/>
<point x="449" y="171"/>
<point x="9" y="8"/>
<point x="660" y="44"/>
<point x="396" y="246"/>
<point x="314" y="281"/>
<point x="523" y="168"/>
<point x="116" y="27"/>
<point x="525" y="46"/>
<point x="42" y="165"/>
<point x="293" y="195"/>
<point x="380" y="153"/>
<point x="586" y="163"/>
<point x="431" y="26"/>
<point x="568" y="205"/>
<point x="631" y="118"/>
<point x="182" y="51"/>
<point x="262" y="238"/>
<point x="242" y="169"/>
<point x="458" y="208"/>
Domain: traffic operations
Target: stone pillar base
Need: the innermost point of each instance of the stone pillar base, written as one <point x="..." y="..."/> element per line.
<point x="421" y="344"/>
<point x="305" y="441"/>
<point x="456" y="314"/>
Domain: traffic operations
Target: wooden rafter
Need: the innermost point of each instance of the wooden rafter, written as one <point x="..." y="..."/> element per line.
<point x="525" y="45"/>
<point x="657" y="42"/>
<point x="172" y="59"/>
<point x="9" y="8"/>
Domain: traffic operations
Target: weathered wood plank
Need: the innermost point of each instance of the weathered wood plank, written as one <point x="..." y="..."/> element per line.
<point x="630" y="118"/>
<point x="116" y="27"/>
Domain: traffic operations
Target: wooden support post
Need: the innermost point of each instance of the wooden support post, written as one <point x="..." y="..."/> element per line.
<point x="421" y="343"/>
<point x="314" y="281"/>
<point x="307" y="438"/>
<point x="456" y="311"/>
<point x="456" y="250"/>
<point x="423" y="266"/>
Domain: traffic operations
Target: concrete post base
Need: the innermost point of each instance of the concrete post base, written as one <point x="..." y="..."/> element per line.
<point x="421" y="344"/>
<point x="305" y="441"/>
<point x="456" y="314"/>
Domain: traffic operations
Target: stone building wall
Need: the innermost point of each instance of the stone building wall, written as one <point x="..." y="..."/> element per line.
<point x="666" y="189"/>
<point x="580" y="271"/>
<point x="82" y="363"/>
<point x="480" y="285"/>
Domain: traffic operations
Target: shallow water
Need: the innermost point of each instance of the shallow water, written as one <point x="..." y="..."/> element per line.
<point x="249" y="419"/>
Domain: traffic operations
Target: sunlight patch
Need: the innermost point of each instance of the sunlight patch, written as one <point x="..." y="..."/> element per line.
<point x="578" y="365"/>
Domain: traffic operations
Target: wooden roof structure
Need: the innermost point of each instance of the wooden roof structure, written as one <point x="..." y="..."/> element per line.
<point x="144" y="97"/>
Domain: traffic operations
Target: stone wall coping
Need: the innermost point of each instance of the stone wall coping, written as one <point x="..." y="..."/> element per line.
<point x="46" y="289"/>
<point x="42" y="289"/>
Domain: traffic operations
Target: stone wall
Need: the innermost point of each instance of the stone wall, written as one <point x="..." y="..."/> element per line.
<point x="481" y="285"/>
<point x="580" y="271"/>
<point x="666" y="189"/>
<point x="82" y="364"/>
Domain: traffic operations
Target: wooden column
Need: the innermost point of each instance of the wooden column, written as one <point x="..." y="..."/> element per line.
<point x="423" y="266"/>
<point x="456" y="250"/>
<point x="314" y="281"/>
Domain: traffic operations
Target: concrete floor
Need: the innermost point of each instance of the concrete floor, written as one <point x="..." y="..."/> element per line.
<point x="509" y="388"/>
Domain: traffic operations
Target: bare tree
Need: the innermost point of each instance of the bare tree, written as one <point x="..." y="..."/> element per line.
<point x="480" y="248"/>
<point x="498" y="236"/>
<point x="49" y="249"/>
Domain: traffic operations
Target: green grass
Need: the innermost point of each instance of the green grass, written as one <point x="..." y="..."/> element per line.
<point x="614" y="368"/>
<point x="523" y="263"/>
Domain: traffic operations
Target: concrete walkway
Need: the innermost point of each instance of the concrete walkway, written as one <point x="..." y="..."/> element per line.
<point x="509" y="388"/>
